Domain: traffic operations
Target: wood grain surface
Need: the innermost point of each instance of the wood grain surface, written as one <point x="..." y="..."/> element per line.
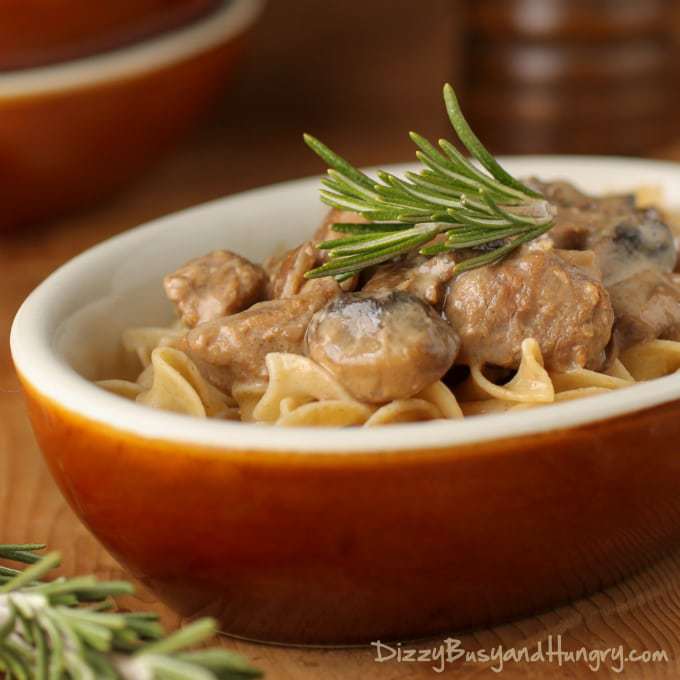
<point x="255" y="139"/>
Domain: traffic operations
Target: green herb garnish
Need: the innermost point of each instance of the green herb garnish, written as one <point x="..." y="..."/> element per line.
<point x="475" y="206"/>
<point x="65" y="629"/>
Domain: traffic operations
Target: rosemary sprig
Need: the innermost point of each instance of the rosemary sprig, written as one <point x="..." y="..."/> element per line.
<point x="64" y="629"/>
<point x="477" y="206"/>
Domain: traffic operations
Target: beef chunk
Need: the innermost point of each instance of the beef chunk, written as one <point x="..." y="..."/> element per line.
<point x="425" y="277"/>
<point x="636" y="252"/>
<point x="535" y="293"/>
<point x="233" y="349"/>
<point x="647" y="306"/>
<point x="213" y="286"/>
<point x="286" y="272"/>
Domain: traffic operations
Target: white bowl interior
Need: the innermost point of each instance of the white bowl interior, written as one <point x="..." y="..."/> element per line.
<point x="68" y="331"/>
<point x="131" y="292"/>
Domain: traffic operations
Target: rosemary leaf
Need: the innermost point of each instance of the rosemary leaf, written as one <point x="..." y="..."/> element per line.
<point x="381" y="242"/>
<point x="367" y="228"/>
<point x="337" y="163"/>
<point x="459" y="243"/>
<point x="354" y="263"/>
<point x="192" y="634"/>
<point x="476" y="148"/>
<point x="32" y="573"/>
<point x="476" y="202"/>
<point x="496" y="255"/>
<point x="46" y="632"/>
<point x="21" y="553"/>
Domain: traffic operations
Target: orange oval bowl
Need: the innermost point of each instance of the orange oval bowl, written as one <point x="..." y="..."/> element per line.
<point x="339" y="536"/>
<point x="74" y="132"/>
<point x="37" y="32"/>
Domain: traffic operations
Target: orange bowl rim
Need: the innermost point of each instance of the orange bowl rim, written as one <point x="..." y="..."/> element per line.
<point x="215" y="29"/>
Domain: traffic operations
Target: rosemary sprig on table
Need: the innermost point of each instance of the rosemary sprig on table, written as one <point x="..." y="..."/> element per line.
<point x="65" y="628"/>
<point x="473" y="206"/>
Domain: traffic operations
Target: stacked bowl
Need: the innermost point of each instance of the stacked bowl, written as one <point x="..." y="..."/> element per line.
<point x="92" y="93"/>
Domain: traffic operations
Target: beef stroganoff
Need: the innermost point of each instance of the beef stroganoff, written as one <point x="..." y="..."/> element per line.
<point x="231" y="367"/>
<point x="512" y="296"/>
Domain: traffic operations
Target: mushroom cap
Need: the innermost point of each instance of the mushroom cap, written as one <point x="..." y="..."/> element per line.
<point x="382" y="347"/>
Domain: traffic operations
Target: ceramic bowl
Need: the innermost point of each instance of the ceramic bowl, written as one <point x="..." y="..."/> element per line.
<point x="37" y="32"/>
<point x="73" y="132"/>
<point x="340" y="536"/>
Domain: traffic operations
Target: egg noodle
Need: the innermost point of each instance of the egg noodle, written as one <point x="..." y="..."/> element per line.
<point x="300" y="392"/>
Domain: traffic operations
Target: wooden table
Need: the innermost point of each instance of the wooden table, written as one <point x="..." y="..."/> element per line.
<point x="250" y="144"/>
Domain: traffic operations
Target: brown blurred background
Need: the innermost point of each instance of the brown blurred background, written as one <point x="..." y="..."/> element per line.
<point x="535" y="76"/>
<point x="585" y="76"/>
